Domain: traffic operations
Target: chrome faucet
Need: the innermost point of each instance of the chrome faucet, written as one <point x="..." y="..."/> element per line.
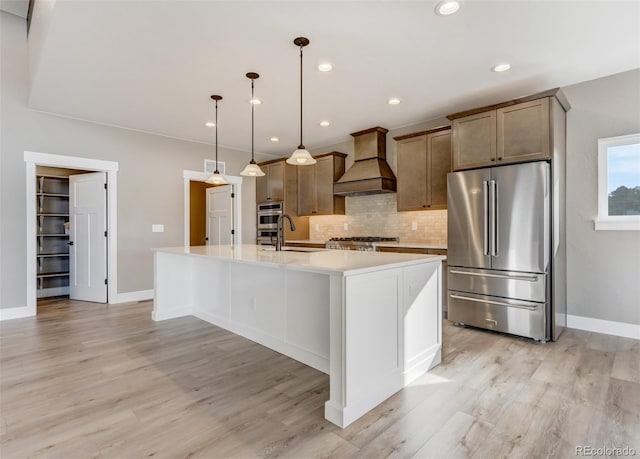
<point x="280" y="230"/>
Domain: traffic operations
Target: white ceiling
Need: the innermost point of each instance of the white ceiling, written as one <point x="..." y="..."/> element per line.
<point x="152" y="65"/>
<point x="17" y="7"/>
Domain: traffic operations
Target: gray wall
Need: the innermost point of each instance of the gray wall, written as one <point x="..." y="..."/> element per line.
<point x="150" y="183"/>
<point x="603" y="267"/>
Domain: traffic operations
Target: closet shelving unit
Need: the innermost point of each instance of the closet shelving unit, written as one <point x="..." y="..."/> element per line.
<point x="52" y="207"/>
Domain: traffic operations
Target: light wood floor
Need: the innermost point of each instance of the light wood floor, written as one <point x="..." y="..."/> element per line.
<point x="86" y="380"/>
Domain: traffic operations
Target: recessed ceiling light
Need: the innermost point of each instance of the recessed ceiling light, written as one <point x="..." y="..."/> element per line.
<point x="274" y="139"/>
<point x="255" y="101"/>
<point x="500" y="68"/>
<point x="326" y="67"/>
<point x="393" y="101"/>
<point x="210" y="124"/>
<point x="324" y="123"/>
<point x="447" y="7"/>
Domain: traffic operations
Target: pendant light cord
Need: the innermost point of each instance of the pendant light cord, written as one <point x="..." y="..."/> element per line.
<point x="301" y="146"/>
<point x="217" y="171"/>
<point x="252" y="107"/>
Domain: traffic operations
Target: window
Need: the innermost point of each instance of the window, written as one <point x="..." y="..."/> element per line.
<point x="619" y="183"/>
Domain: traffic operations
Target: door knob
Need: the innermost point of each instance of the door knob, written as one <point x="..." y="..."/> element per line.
<point x="70" y="243"/>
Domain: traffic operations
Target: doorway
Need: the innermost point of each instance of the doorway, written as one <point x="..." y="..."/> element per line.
<point x="84" y="190"/>
<point x="196" y="190"/>
<point x="71" y="217"/>
<point x="198" y="212"/>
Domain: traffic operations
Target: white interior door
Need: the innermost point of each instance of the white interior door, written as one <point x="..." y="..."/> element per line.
<point x="219" y="215"/>
<point x="88" y="237"/>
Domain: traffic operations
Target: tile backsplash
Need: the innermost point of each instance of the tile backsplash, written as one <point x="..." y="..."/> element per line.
<point x="376" y="215"/>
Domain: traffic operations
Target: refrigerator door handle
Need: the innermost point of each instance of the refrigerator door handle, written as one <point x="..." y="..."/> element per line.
<point x="485" y="213"/>
<point x="493" y="188"/>
<point x="497" y="276"/>
<point x="485" y="300"/>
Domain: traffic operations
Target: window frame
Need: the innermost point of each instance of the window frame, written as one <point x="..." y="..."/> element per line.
<point x="605" y="221"/>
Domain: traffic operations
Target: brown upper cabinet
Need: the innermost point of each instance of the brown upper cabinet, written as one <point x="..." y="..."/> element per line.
<point x="280" y="183"/>
<point x="424" y="160"/>
<point x="270" y="187"/>
<point x="315" y="185"/>
<point x="510" y="132"/>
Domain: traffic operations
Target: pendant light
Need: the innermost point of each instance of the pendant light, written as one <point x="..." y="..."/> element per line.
<point x="301" y="156"/>
<point x="252" y="169"/>
<point x="216" y="178"/>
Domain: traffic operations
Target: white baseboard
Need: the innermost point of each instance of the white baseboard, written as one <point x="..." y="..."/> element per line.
<point x="129" y="297"/>
<point x="607" y="327"/>
<point x="16" y="313"/>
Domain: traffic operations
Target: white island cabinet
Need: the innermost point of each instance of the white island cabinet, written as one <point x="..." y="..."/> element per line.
<point x="372" y="321"/>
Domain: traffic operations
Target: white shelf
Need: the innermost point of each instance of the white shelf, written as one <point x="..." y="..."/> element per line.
<point x="61" y="274"/>
<point x="55" y="195"/>
<point x="52" y="196"/>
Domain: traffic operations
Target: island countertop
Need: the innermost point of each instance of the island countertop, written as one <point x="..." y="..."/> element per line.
<point x="344" y="262"/>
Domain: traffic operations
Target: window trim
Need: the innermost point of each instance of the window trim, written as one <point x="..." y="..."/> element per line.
<point x="604" y="221"/>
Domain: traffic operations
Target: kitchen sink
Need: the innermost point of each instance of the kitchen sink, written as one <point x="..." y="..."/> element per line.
<point x="295" y="249"/>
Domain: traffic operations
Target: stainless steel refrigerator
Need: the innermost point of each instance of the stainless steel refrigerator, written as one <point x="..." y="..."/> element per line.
<point x="502" y="249"/>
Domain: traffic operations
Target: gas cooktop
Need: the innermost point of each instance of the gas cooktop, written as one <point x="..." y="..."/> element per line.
<point x="364" y="239"/>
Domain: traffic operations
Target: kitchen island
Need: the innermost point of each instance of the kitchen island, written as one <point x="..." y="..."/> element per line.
<point x="372" y="321"/>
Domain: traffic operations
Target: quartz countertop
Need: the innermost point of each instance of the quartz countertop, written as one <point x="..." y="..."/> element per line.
<point x="341" y="262"/>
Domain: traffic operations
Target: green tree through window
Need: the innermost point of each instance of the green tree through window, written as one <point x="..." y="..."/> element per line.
<point x="624" y="201"/>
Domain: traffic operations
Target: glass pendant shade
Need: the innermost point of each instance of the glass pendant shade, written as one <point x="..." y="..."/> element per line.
<point x="252" y="170"/>
<point x="301" y="157"/>
<point x="216" y="179"/>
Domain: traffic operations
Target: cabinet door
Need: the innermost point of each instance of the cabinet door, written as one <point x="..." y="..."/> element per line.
<point x="324" y="185"/>
<point x="412" y="173"/>
<point x="262" y="186"/>
<point x="523" y="132"/>
<point x="276" y="181"/>
<point x="307" y="190"/>
<point x="474" y="140"/>
<point x="439" y="156"/>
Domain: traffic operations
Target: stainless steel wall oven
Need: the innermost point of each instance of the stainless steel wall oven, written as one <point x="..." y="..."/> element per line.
<point x="267" y="219"/>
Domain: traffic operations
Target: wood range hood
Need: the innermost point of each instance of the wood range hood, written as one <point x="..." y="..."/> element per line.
<point x="370" y="173"/>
